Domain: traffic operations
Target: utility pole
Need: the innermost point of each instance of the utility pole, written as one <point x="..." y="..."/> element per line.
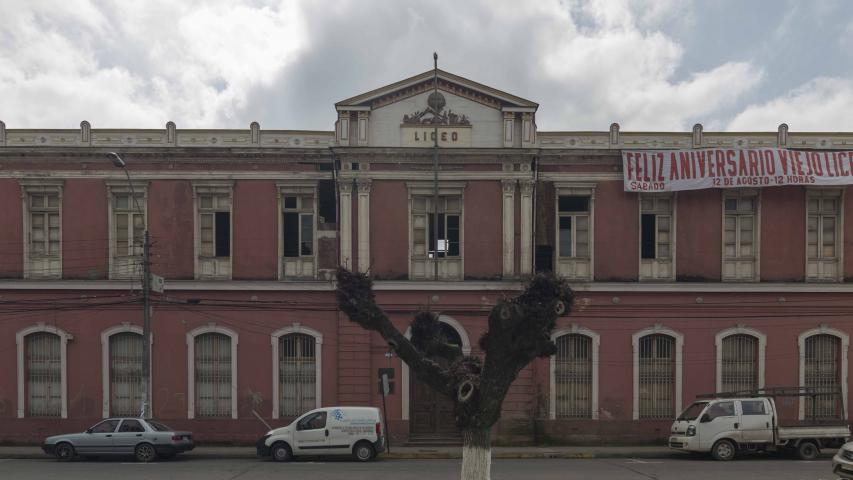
<point x="146" y="290"/>
<point x="435" y="112"/>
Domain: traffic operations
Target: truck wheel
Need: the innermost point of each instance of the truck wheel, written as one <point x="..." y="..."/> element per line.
<point x="807" y="451"/>
<point x="280" y="452"/>
<point x="723" y="450"/>
<point x="363" y="451"/>
<point x="64" y="452"/>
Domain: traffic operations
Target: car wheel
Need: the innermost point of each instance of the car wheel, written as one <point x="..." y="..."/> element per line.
<point x="807" y="451"/>
<point x="64" y="452"/>
<point x="723" y="450"/>
<point x="280" y="452"/>
<point x="363" y="451"/>
<point x="145" y="453"/>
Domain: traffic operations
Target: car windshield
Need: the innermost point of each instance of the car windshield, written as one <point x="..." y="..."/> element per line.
<point x="692" y="412"/>
<point x="160" y="427"/>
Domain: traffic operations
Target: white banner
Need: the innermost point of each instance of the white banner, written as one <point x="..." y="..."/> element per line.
<point x="673" y="170"/>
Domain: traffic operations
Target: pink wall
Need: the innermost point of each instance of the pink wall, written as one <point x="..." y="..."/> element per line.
<point x="617" y="233"/>
<point x="483" y="230"/>
<point x="85" y="240"/>
<point x="11" y="235"/>
<point x="172" y="228"/>
<point x="698" y="235"/>
<point x="389" y="230"/>
<point x="255" y="230"/>
<point x="783" y="234"/>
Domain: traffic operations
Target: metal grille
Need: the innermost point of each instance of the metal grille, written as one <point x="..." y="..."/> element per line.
<point x="44" y="375"/>
<point x="657" y="376"/>
<point x="213" y="375"/>
<point x="297" y="374"/>
<point x="573" y="376"/>
<point x="822" y="370"/>
<point x="739" y="363"/>
<point x="125" y="374"/>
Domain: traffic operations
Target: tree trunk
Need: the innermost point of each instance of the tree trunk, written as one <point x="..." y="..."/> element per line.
<point x="477" y="454"/>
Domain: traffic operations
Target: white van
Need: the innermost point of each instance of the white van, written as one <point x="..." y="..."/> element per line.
<point x="356" y="431"/>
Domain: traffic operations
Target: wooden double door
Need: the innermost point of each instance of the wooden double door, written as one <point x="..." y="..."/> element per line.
<point x="431" y="413"/>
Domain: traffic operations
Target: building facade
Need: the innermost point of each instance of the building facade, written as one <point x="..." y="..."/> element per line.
<point x="678" y="293"/>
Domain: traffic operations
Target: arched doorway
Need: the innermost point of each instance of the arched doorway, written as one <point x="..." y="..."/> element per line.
<point x="432" y="412"/>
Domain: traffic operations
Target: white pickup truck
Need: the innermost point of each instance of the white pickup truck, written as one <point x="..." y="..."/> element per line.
<point x="726" y="426"/>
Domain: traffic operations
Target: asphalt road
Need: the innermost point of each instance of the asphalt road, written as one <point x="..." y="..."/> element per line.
<point x="612" y="469"/>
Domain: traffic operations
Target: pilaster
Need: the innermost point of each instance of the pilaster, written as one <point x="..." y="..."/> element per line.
<point x="363" y="223"/>
<point x="363" y="124"/>
<point x="509" y="128"/>
<point x="345" y="188"/>
<point x="526" y="262"/>
<point x="342" y="130"/>
<point x="508" y="228"/>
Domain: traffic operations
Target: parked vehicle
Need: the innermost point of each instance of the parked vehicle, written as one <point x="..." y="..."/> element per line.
<point x="728" y="423"/>
<point x="355" y="431"/>
<point x="144" y="439"/>
<point x="842" y="462"/>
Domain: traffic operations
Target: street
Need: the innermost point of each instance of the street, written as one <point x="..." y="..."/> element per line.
<point x="246" y="469"/>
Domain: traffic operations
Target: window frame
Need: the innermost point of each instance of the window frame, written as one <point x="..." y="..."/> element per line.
<point x="318" y="363"/>
<point x="739" y="194"/>
<point x="20" y="344"/>
<point x="838" y="195"/>
<point x="222" y="267"/>
<point x="191" y="335"/>
<point x="595" y="340"/>
<point x="573" y="267"/>
<point x="299" y="190"/>
<point x="424" y="262"/>
<point x="761" y="338"/>
<point x="114" y="188"/>
<point x="679" y="356"/>
<point x="656" y="263"/>
<point x="106" y="368"/>
<point x="31" y="270"/>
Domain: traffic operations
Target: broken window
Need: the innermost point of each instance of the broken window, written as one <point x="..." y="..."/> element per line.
<point x="656" y="237"/>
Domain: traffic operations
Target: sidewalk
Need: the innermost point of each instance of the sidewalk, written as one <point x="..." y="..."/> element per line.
<point x="211" y="452"/>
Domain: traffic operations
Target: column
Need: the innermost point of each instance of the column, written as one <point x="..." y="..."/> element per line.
<point x="526" y="227"/>
<point x="345" y="186"/>
<point x="508" y="228"/>
<point x="363" y="224"/>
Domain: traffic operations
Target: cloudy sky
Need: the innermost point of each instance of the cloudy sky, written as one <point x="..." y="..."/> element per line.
<point x="647" y="64"/>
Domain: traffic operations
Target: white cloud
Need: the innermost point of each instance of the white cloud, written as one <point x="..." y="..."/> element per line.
<point x="822" y="104"/>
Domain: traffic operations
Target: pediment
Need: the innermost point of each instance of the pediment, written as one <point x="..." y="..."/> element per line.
<point x="447" y="82"/>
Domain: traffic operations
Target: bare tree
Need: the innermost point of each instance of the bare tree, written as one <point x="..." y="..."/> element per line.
<point x="519" y="331"/>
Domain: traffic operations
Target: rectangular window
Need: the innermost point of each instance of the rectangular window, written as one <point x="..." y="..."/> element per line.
<point x="43" y="230"/>
<point x="823" y="235"/>
<point x="656" y="237"/>
<point x="740" y="236"/>
<point x="437" y="237"/>
<point x="127" y="214"/>
<point x="213" y="232"/>
<point x="298" y="220"/>
<point x="574" y="233"/>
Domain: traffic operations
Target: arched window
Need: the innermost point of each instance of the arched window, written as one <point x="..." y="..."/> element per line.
<point x="822" y="370"/>
<point x="739" y="363"/>
<point x="212" y="379"/>
<point x="297" y="373"/>
<point x="573" y="369"/>
<point x="657" y="372"/>
<point x="44" y="375"/>
<point x="42" y="367"/>
<point x="657" y="376"/>
<point x="125" y="364"/>
<point x="297" y="370"/>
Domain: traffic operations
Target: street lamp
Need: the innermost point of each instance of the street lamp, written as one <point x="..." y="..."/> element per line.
<point x="146" y="289"/>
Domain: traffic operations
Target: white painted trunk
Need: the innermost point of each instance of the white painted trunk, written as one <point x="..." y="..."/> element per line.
<point x="476" y="455"/>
